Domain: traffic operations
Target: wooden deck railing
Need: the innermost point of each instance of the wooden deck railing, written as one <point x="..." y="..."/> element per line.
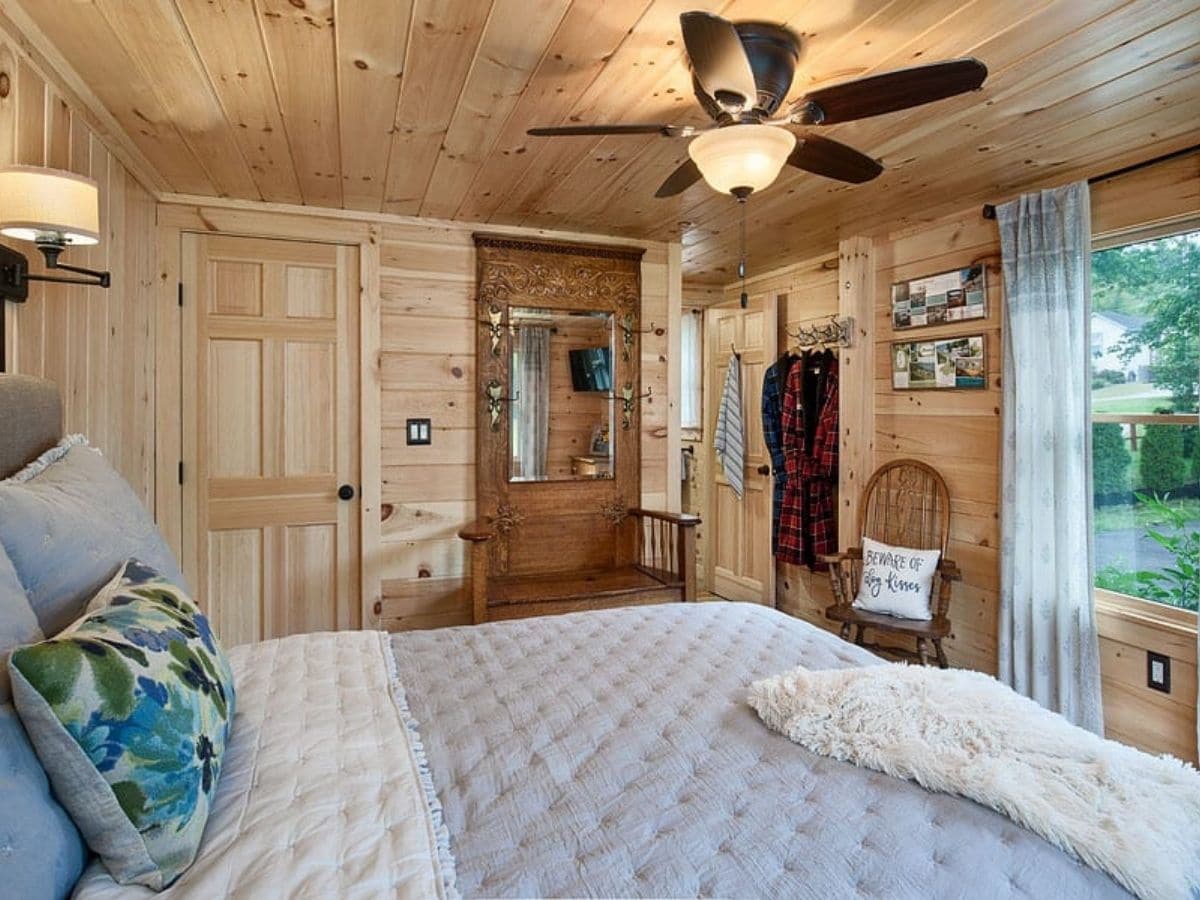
<point x="1135" y="420"/>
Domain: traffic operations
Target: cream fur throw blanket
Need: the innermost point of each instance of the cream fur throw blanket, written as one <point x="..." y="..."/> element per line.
<point x="1129" y="814"/>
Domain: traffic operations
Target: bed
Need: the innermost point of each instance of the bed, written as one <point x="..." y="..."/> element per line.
<point x="612" y="753"/>
<point x="607" y="753"/>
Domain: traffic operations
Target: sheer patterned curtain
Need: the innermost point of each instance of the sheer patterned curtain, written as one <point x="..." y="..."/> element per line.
<point x="1049" y="649"/>
<point x="691" y="359"/>
<point x="531" y="409"/>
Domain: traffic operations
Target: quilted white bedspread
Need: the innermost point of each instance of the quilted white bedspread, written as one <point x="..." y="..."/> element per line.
<point x="321" y="794"/>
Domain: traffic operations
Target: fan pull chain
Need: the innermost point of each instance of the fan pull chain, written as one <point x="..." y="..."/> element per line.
<point x="742" y="262"/>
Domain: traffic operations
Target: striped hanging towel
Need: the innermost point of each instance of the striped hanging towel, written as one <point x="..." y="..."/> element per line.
<point x="730" y="439"/>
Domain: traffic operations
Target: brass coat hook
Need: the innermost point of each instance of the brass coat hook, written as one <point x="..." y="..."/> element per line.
<point x="494" y="394"/>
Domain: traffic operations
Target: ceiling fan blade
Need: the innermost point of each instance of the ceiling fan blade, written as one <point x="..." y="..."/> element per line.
<point x="821" y="156"/>
<point x="680" y="180"/>
<point x="719" y="60"/>
<point x="634" y="128"/>
<point x="889" y="92"/>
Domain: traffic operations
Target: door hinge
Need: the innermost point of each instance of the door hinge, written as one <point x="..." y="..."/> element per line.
<point x="181" y="293"/>
<point x="181" y="471"/>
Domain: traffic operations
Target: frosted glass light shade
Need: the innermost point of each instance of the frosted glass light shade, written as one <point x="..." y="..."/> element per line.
<point x="39" y="204"/>
<point x="741" y="156"/>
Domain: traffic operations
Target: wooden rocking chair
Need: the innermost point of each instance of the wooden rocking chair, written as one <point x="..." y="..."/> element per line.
<point x="905" y="504"/>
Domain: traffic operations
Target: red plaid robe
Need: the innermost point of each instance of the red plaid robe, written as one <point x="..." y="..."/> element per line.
<point x="808" y="523"/>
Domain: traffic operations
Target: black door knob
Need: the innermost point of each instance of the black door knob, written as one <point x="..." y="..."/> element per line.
<point x="346" y="492"/>
<point x="764" y="470"/>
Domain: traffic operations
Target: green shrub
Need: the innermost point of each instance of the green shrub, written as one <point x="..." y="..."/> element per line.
<point x="1179" y="584"/>
<point x="1115" y="577"/>
<point x="1191" y="450"/>
<point x="1106" y="377"/>
<point x="1190" y="433"/>
<point x="1110" y="459"/>
<point x="1162" y="467"/>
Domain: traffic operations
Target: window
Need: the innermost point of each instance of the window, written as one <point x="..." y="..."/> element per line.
<point x="691" y="358"/>
<point x="1145" y="424"/>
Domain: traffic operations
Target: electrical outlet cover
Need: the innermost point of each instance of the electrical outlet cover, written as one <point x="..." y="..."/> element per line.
<point x="1158" y="672"/>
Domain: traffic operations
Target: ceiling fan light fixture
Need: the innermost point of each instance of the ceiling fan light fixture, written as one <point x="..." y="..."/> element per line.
<point x="741" y="158"/>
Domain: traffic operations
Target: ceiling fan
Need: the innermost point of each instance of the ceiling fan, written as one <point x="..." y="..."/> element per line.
<point x="741" y="74"/>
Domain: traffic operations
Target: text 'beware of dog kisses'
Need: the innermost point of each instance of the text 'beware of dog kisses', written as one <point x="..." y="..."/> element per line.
<point x="896" y="564"/>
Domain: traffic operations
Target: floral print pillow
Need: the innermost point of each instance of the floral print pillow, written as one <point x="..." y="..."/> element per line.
<point x="130" y="709"/>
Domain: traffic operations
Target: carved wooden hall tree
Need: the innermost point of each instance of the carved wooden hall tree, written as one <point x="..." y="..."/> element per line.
<point x="542" y="543"/>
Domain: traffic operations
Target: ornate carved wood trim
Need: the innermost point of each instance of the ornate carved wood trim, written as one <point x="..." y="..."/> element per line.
<point x="557" y="275"/>
<point x="599" y="251"/>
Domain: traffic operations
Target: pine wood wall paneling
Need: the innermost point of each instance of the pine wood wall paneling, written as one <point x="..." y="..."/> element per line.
<point x="1166" y="193"/>
<point x="422" y="284"/>
<point x="372" y="46"/>
<point x="674" y="395"/>
<point x="957" y="432"/>
<point x="300" y="49"/>
<point x="370" y="428"/>
<point x="427" y="305"/>
<point x="84" y="36"/>
<point x="586" y="39"/>
<point x="313" y="89"/>
<point x="658" y="490"/>
<point x="156" y="41"/>
<point x="21" y="33"/>
<point x="230" y="48"/>
<point x="642" y="60"/>
<point x="510" y="50"/>
<point x="856" y="421"/>
<point x="441" y="49"/>
<point x="923" y="424"/>
<point x="96" y="345"/>
<point x="1133" y="712"/>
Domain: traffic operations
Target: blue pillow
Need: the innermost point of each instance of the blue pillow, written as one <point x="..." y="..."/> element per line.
<point x="68" y="521"/>
<point x="18" y="624"/>
<point x="41" y="852"/>
<point x="130" y="710"/>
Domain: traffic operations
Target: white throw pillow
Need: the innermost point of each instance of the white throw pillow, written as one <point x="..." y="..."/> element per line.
<point x="896" y="581"/>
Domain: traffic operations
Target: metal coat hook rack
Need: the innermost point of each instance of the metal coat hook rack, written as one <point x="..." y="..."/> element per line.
<point x="495" y="325"/>
<point x="628" y="398"/>
<point x="494" y="395"/>
<point x="830" y="331"/>
<point x="625" y="323"/>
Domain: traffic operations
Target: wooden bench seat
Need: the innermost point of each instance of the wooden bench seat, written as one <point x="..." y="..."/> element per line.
<point x="516" y="596"/>
<point x="664" y="542"/>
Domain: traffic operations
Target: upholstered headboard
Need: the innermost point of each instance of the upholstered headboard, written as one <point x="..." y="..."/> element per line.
<point x="30" y="420"/>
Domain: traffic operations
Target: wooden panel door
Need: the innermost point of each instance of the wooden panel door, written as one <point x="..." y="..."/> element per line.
<point x="272" y="434"/>
<point x="739" y="562"/>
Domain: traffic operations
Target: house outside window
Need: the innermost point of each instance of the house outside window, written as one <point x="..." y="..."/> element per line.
<point x="1145" y="349"/>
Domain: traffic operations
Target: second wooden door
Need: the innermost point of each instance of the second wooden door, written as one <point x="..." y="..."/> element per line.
<point x="739" y="560"/>
<point x="271" y="435"/>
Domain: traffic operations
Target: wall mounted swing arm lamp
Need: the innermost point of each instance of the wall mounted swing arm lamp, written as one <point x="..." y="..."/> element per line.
<point x="55" y="210"/>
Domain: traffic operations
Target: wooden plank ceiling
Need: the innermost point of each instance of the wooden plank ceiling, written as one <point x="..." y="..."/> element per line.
<point x="419" y="107"/>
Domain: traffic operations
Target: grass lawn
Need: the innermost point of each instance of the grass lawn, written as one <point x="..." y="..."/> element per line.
<point x="1115" y="518"/>
<point x="1129" y="398"/>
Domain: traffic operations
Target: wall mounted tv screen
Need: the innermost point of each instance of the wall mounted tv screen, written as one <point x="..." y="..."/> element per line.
<point x="591" y="369"/>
